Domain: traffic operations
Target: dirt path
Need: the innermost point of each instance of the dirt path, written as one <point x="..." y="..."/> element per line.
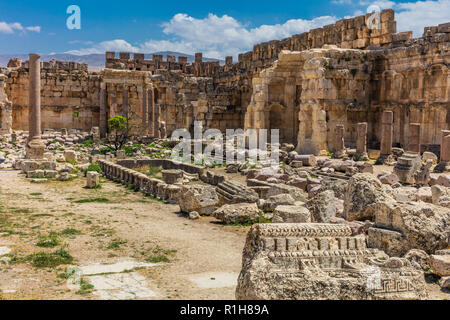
<point x="196" y="259"/>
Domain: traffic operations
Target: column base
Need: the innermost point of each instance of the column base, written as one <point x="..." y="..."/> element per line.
<point x="387" y="159"/>
<point x="361" y="157"/>
<point x="35" y="149"/>
<point x="443" y="166"/>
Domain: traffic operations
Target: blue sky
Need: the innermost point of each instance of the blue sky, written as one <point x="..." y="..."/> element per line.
<point x="217" y="28"/>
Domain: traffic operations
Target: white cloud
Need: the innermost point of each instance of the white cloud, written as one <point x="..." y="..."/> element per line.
<point x="218" y="37"/>
<point x="10" y="28"/>
<point x="34" y="29"/>
<point x="102" y="47"/>
<point x="341" y="1"/>
<point x="215" y="36"/>
<point x="383" y="4"/>
<point x="415" y="16"/>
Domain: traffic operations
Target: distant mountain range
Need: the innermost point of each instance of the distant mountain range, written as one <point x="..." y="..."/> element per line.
<point x="95" y="61"/>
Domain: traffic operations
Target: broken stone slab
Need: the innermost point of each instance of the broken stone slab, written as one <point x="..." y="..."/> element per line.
<point x="307" y="160"/>
<point x="390" y="179"/>
<point x="92" y="179"/>
<point x="237" y="213"/>
<point x="324" y="206"/>
<point x="440" y="264"/>
<point x="306" y="261"/>
<point x="273" y="202"/>
<point x="400" y="227"/>
<point x="356" y="226"/>
<point x="363" y="191"/>
<point x="70" y="156"/>
<point x="202" y="199"/>
<point x="429" y="156"/>
<point x="172" y="176"/>
<point x="291" y="214"/>
<point x="418" y="258"/>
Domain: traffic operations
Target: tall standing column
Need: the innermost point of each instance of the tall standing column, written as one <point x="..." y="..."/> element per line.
<point x="35" y="146"/>
<point x="414" y="138"/>
<point x="150" y="109"/>
<point x="386" y="133"/>
<point x="125" y="101"/>
<point x="361" y="141"/>
<point x="144" y="107"/>
<point x="103" y="120"/>
<point x="339" y="147"/>
<point x="444" y="164"/>
<point x="156" y="121"/>
<point x="35" y="97"/>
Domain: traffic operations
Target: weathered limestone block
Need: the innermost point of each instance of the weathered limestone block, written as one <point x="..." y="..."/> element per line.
<point x="307" y="160"/>
<point x="418" y="258"/>
<point x="173" y="193"/>
<point x="291" y="214"/>
<point x="440" y="264"/>
<point x="440" y="195"/>
<point x="321" y="261"/>
<point x="324" y="206"/>
<point x="70" y="156"/>
<point x="363" y="191"/>
<point x="273" y="202"/>
<point x="400" y="227"/>
<point x="296" y="193"/>
<point x="422" y="175"/>
<point x="233" y="192"/>
<point x="407" y="166"/>
<point x="92" y="179"/>
<point x="389" y="178"/>
<point x="202" y="199"/>
<point x="172" y="176"/>
<point x="237" y="213"/>
<point x="429" y="156"/>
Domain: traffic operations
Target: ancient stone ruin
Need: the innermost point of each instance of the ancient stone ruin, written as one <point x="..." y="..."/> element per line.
<point x="353" y="202"/>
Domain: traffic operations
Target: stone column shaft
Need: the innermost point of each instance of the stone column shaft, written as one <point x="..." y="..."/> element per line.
<point x="339" y="142"/>
<point x="445" y="146"/>
<point x="361" y="140"/>
<point x="414" y="138"/>
<point x="103" y="120"/>
<point x="125" y="101"/>
<point x="386" y="133"/>
<point x="144" y="107"/>
<point x="156" y="121"/>
<point x="35" y="97"/>
<point x="150" y="107"/>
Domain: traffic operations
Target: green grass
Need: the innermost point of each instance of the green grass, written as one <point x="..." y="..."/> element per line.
<point x="85" y="287"/>
<point x="160" y="255"/>
<point x="261" y="219"/>
<point x="36" y="194"/>
<point x="49" y="260"/>
<point x="70" y="232"/>
<point x="116" y="243"/>
<point x="90" y="200"/>
<point x="93" y="167"/>
<point x="49" y="241"/>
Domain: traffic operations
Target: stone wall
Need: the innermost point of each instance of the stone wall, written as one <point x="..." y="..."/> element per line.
<point x="69" y="95"/>
<point x="305" y="85"/>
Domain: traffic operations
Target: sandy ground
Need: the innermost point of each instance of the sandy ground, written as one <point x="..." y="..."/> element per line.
<point x="204" y="257"/>
<point x="115" y="244"/>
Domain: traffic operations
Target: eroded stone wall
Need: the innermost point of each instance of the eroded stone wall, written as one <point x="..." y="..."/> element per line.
<point x="69" y="96"/>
